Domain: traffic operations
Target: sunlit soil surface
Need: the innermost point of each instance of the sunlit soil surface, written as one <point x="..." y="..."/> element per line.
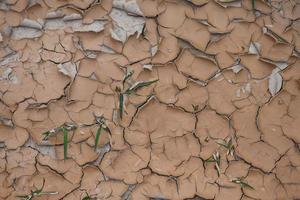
<point x="149" y="99"/>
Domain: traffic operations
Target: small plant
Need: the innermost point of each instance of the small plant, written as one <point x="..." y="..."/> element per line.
<point x="88" y="197"/>
<point x="36" y="192"/>
<point x="63" y="128"/>
<point x="241" y="182"/>
<point x="195" y="108"/>
<point x="227" y="143"/>
<point x="215" y="158"/>
<point x="253" y="5"/>
<point x="132" y="89"/>
<point x="101" y="122"/>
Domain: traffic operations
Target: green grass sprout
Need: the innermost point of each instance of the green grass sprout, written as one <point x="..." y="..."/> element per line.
<point x="132" y="89"/>
<point x="102" y="126"/>
<point x="215" y="158"/>
<point x="36" y="192"/>
<point x="242" y="183"/>
<point x="228" y="144"/>
<point x="63" y="128"/>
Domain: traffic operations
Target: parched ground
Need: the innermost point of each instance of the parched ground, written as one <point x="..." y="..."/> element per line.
<point x="193" y="99"/>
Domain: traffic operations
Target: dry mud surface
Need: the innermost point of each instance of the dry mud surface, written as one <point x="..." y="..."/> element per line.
<point x="219" y="119"/>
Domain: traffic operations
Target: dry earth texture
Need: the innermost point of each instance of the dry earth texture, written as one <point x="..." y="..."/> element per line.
<point x="149" y="99"/>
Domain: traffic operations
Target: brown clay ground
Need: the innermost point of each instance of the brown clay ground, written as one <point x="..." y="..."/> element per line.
<point x="226" y="72"/>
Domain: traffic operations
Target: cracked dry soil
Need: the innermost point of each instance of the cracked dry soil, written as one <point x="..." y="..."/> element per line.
<point x="221" y="122"/>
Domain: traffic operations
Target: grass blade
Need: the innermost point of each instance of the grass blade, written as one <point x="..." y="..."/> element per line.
<point x="25" y="197"/>
<point x="41" y="189"/>
<point x="49" y="133"/>
<point x="97" y="137"/>
<point x="128" y="75"/>
<point x="246" y="185"/>
<point x="87" y="197"/>
<point x="228" y="144"/>
<point x="65" y="142"/>
<point x="36" y="192"/>
<point x="242" y="183"/>
<point x="139" y="85"/>
<point x="253" y="6"/>
<point x="121" y="104"/>
<point x="216" y="159"/>
<point x="46" y="135"/>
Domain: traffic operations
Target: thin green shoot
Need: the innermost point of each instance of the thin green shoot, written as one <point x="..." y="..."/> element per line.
<point x="228" y="144"/>
<point x="127" y="76"/>
<point x="215" y="158"/>
<point x="63" y="128"/>
<point x="88" y="197"/>
<point x="253" y="5"/>
<point x="36" y="192"/>
<point x="130" y="90"/>
<point x="97" y="137"/>
<point x="242" y="183"/>
<point x="139" y="85"/>
<point x="65" y="142"/>
<point x="121" y="104"/>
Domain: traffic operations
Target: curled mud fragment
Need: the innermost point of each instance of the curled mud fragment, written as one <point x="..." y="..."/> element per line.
<point x="156" y="187"/>
<point x="125" y="25"/>
<point x="123" y="165"/>
<point x="50" y="83"/>
<point x="287" y="171"/>
<point x="196" y="67"/>
<point x="5" y="189"/>
<point x="257" y="68"/>
<point x="3" y="161"/>
<point x="75" y="23"/>
<point x="13" y="137"/>
<point x="166" y="157"/>
<point x="20" y="163"/>
<point x="91" y="177"/>
<point x="194" y="33"/>
<point x="82" y="90"/>
<point x="81" y="153"/>
<point x="291" y="120"/>
<point x="54" y="4"/>
<point x="193" y="98"/>
<point x="68" y="168"/>
<point x="130" y="6"/>
<point x="53" y="183"/>
<point x="244" y="123"/>
<point x="111" y="190"/>
<point x="173" y="16"/>
<point x="136" y="49"/>
<point x="27" y="29"/>
<point x="68" y="69"/>
<point x="168" y="48"/>
<point x="266" y="186"/>
<point x="117" y="140"/>
<point x="270" y="121"/>
<point x="228" y="189"/>
<point x="222" y="94"/>
<point x="205" y="125"/>
<point x="170" y="82"/>
<point x="262" y="155"/>
<point x="20" y="90"/>
<point x="149" y="8"/>
<point x="6" y="122"/>
<point x="105" y="103"/>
